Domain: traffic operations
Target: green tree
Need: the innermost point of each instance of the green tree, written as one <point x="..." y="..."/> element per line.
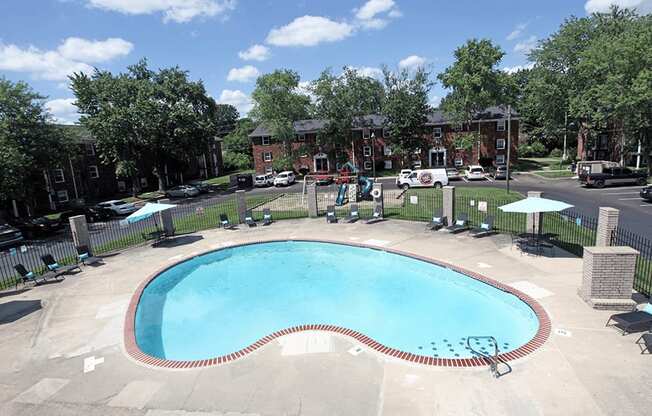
<point x="29" y="142"/>
<point x="237" y="146"/>
<point x="406" y="109"/>
<point x="161" y="115"/>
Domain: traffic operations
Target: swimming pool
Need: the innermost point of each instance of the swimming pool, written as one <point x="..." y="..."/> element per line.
<point x="224" y="304"/>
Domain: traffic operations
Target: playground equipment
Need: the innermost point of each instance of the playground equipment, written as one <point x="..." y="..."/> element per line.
<point x="347" y="175"/>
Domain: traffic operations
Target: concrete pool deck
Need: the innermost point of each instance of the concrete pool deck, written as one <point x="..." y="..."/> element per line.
<point x="67" y="357"/>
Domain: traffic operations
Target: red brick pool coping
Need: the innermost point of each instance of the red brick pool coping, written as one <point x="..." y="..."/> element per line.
<point x="132" y="349"/>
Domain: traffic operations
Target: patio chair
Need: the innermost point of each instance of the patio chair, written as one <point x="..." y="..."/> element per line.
<point x="58" y="269"/>
<point x="28" y="276"/>
<point x="377" y="216"/>
<point x="354" y="214"/>
<point x="629" y="322"/>
<point x="485" y="228"/>
<point x="437" y="222"/>
<point x="249" y="219"/>
<point x="461" y="224"/>
<point x="225" y="223"/>
<point x="267" y="216"/>
<point x="84" y="255"/>
<point x="645" y="342"/>
<point x="330" y="214"/>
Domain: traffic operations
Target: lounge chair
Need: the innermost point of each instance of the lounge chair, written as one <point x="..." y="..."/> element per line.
<point x="485" y="228"/>
<point x="225" y="223"/>
<point x="249" y="219"/>
<point x="629" y="322"/>
<point x="437" y="222"/>
<point x="461" y="224"/>
<point x="58" y="269"/>
<point x="354" y="215"/>
<point x="377" y="215"/>
<point x="330" y="214"/>
<point x="267" y="216"/>
<point x="27" y="276"/>
<point x="84" y="255"/>
<point x="645" y="342"/>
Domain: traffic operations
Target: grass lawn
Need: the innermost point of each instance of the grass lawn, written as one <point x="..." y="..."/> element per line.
<point x="223" y="181"/>
<point x="539" y="163"/>
<point x="553" y="174"/>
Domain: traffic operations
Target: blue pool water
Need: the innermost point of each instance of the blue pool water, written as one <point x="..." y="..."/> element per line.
<point x="223" y="301"/>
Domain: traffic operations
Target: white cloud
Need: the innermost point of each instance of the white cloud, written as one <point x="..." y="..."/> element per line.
<point x="179" y="11"/>
<point x="596" y="6"/>
<point x="63" y="110"/>
<point x="514" y="69"/>
<point x="374" y="14"/>
<point x="368" y="71"/>
<point x="412" y="62"/>
<point x="517" y="32"/>
<point x="309" y="31"/>
<point x="79" y="49"/>
<point x="73" y="55"/>
<point x="241" y="101"/>
<point x="526" y="46"/>
<point x="245" y="74"/>
<point x="434" y="101"/>
<point x="255" y="53"/>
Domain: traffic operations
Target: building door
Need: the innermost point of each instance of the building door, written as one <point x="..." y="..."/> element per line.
<point x="321" y="162"/>
<point x="437" y="158"/>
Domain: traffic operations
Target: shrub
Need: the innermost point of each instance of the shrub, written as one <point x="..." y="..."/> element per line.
<point x="556" y="153"/>
<point x="525" y="150"/>
<point x="538" y="149"/>
<point x="236" y="161"/>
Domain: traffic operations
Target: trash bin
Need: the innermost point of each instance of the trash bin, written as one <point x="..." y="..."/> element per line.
<point x="245" y="181"/>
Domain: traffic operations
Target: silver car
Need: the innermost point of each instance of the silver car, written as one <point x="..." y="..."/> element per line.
<point x="182" y="191"/>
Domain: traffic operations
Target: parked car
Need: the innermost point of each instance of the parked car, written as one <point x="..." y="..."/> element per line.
<point x="646" y="193"/>
<point x="285" y="178"/>
<point x="201" y="186"/>
<point x="474" y="172"/>
<point x="182" y="191"/>
<point x="36" y="226"/>
<point x="453" y="174"/>
<point x="613" y="176"/>
<point x="9" y="235"/>
<point x="324" y="180"/>
<point x="501" y="172"/>
<point x="423" y="178"/>
<point x="264" y="180"/>
<point x="118" y="207"/>
<point x="92" y="214"/>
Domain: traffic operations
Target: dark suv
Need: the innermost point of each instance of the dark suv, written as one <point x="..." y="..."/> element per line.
<point x="9" y="235"/>
<point x="613" y="176"/>
<point x="646" y="193"/>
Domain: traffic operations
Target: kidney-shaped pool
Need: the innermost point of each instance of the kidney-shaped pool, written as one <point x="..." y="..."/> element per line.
<point x="229" y="302"/>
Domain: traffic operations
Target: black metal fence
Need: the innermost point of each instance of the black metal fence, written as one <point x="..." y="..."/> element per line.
<point x="570" y="231"/>
<point x="643" y="275"/>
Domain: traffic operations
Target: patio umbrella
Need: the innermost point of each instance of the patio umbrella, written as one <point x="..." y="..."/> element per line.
<point x="532" y="205"/>
<point x="147" y="211"/>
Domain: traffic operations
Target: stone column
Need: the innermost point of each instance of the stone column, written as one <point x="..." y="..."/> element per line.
<point x="165" y="219"/>
<point x="378" y="202"/>
<point x="607" y="223"/>
<point x="448" y="211"/>
<point x="242" y="205"/>
<point x="80" y="235"/>
<point x="534" y="221"/>
<point x="608" y="277"/>
<point x="312" y="201"/>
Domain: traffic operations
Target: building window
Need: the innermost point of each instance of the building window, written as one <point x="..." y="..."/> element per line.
<point x="459" y="162"/>
<point x="93" y="172"/>
<point x="367" y="165"/>
<point x="366" y="151"/>
<point x="62" y="196"/>
<point x="269" y="169"/>
<point x="58" y="176"/>
<point x="266" y="140"/>
<point x="500" y="125"/>
<point x="385" y="132"/>
<point x="388" y="164"/>
<point x="321" y="162"/>
<point x="436" y="133"/>
<point x="122" y="186"/>
<point x="143" y="183"/>
<point x="267" y="156"/>
<point x="301" y="137"/>
<point x="603" y="141"/>
<point x="500" y="159"/>
<point x="366" y="133"/>
<point x="387" y="150"/>
<point x="90" y="149"/>
<point x="500" y="144"/>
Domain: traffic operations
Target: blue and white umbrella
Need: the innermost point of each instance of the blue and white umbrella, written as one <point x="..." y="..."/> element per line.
<point x="147" y="211"/>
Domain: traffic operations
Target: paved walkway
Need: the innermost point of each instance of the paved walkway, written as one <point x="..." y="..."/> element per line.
<point x="67" y="358"/>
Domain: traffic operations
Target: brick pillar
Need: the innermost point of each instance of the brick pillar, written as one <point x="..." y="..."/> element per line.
<point x="312" y="201"/>
<point x="534" y="221"/>
<point x="242" y="205"/>
<point x="449" y="204"/>
<point x="79" y="229"/>
<point x="379" y="202"/>
<point x="165" y="219"/>
<point x="607" y="223"/>
<point x="608" y="277"/>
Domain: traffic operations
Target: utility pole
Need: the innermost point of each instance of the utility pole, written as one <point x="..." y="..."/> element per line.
<point x="373" y="153"/>
<point x="564" y="156"/>
<point x="508" y="141"/>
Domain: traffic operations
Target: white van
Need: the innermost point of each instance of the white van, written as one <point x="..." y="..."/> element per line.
<point x="423" y="178"/>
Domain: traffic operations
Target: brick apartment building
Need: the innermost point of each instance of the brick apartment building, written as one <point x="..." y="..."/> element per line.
<point x="608" y="145"/>
<point x="370" y="144"/>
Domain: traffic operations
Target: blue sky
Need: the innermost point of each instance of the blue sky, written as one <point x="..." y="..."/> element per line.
<point x="227" y="43"/>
